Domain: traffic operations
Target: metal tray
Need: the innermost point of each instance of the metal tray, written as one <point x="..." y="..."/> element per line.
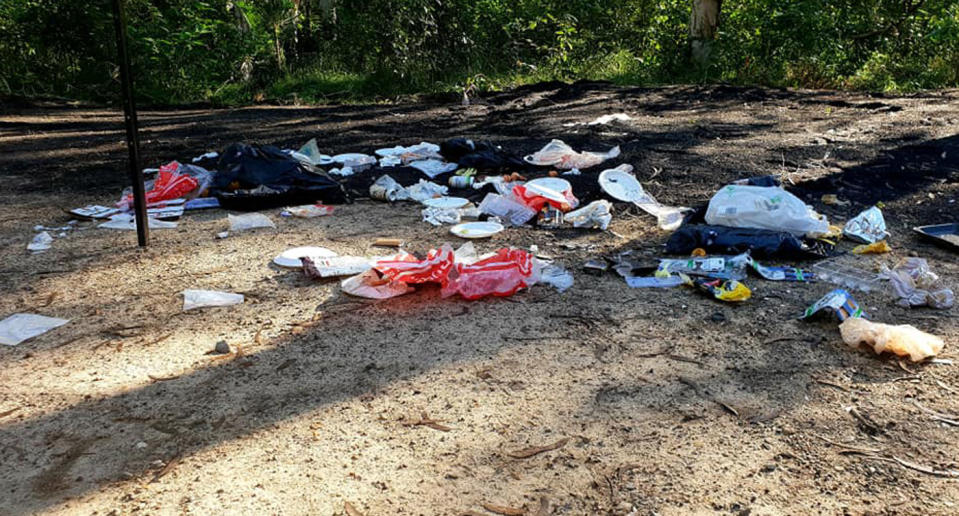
<point x="946" y="235"/>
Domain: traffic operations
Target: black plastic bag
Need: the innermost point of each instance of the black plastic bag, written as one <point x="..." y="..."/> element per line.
<point x="759" y="242"/>
<point x="255" y="177"/>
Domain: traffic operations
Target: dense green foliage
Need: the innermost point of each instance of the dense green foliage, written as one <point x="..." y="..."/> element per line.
<point x="240" y="51"/>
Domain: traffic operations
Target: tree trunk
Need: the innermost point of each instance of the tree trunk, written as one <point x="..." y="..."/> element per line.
<point x="280" y="58"/>
<point x="703" y="25"/>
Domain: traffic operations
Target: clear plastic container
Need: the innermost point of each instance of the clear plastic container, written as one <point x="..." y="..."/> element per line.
<point x="840" y="272"/>
<point x="509" y="210"/>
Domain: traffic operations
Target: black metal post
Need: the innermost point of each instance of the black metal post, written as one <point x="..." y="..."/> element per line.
<point x="130" y="117"/>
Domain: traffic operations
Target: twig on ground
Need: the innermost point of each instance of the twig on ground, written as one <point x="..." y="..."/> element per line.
<point x="6" y="413"/>
<point x="504" y="510"/>
<point x="831" y="384"/>
<point x="350" y="510"/>
<point x="705" y="395"/>
<point x="526" y="453"/>
<point x="429" y="422"/>
<point x="948" y="419"/>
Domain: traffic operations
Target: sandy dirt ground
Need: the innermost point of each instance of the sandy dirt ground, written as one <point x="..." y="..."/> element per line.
<point x="656" y="402"/>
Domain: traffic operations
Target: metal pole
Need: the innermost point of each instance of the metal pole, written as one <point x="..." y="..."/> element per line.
<point x="130" y="117"/>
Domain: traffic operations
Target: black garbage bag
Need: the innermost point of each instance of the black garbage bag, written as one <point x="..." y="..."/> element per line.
<point x="483" y="156"/>
<point x="759" y="242"/>
<point x="257" y="177"/>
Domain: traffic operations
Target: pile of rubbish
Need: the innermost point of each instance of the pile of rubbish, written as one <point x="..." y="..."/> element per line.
<point x="480" y="189"/>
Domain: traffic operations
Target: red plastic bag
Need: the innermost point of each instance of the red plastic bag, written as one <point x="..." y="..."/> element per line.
<point x="536" y="198"/>
<point x="406" y="268"/>
<point x="501" y="275"/>
<point x="169" y="184"/>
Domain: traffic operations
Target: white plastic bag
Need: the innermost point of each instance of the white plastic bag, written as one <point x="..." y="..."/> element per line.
<point x="128" y="222"/>
<point x="594" y="215"/>
<point x="249" y="221"/>
<point x="203" y="298"/>
<point x="763" y="207"/>
<point x="440" y="216"/>
<point x="434" y="167"/>
<point x="560" y="155"/>
<point x="20" y="327"/>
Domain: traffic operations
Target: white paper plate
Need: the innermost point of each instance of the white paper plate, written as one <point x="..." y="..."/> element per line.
<point x="349" y="158"/>
<point x="446" y="203"/>
<point x="476" y="229"/>
<point x="620" y="185"/>
<point x="291" y="257"/>
<point x="553" y="183"/>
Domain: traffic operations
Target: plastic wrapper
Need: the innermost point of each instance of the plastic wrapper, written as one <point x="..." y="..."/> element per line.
<point x="916" y="285"/>
<point x="424" y="190"/>
<point x="508" y="210"/>
<point x="537" y="196"/>
<point x="758" y="242"/>
<point x="309" y="211"/>
<point x="560" y="155"/>
<point x="774" y="273"/>
<point x="654" y="281"/>
<point x="434" y="167"/>
<point x="556" y="276"/>
<point x="20" y="327"/>
<point x="839" y="302"/>
<point x="596" y="214"/>
<point x="500" y="275"/>
<point x="41" y="242"/>
<point x="769" y="208"/>
<point x="868" y="227"/>
<point x="730" y="291"/>
<point x="370" y="285"/>
<point x="879" y="247"/>
<point x="316" y="267"/>
<point x="127" y="221"/>
<point x="407" y="268"/>
<point x="249" y="221"/>
<point x="193" y="299"/>
<point x="902" y="340"/>
<point x="173" y="181"/>
<point x="719" y="267"/>
<point x="440" y="216"/>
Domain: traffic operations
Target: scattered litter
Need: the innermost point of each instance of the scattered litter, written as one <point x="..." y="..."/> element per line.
<point x="558" y="277"/>
<point x="761" y="207"/>
<point x="880" y="247"/>
<point x="193" y="299"/>
<point x="619" y="183"/>
<point x="654" y="281"/>
<point x="840" y="302"/>
<point x="127" y="221"/>
<point x="596" y="266"/>
<point x="902" y="340"/>
<point x="292" y="258"/>
<point x="312" y="151"/>
<point x="211" y="155"/>
<point x="387" y="189"/>
<point x="945" y="235"/>
<point x="839" y="271"/>
<point x="308" y="211"/>
<point x="356" y="161"/>
<point x="717" y="267"/>
<point x="596" y="214"/>
<point x="316" y="267"/>
<point x="731" y="291"/>
<point x="500" y="275"/>
<point x="476" y="229"/>
<point x="424" y="190"/>
<point x="434" y="167"/>
<point x="222" y="234"/>
<point x="440" y="216"/>
<point x="173" y="181"/>
<point x="555" y="192"/>
<point x="201" y="203"/>
<point x="867" y="227"/>
<point x="560" y="155"/>
<point x="916" y="285"/>
<point x="446" y="203"/>
<point x="513" y="212"/>
<point x="605" y="119"/>
<point x="407" y="268"/>
<point x="758" y="242"/>
<point x="249" y="221"/>
<point x="781" y="273"/>
<point x="388" y="242"/>
<point x="41" y="242"/>
<point x="94" y="211"/>
<point x="20" y="327"/>
<point x="342" y="172"/>
<point x="371" y="285"/>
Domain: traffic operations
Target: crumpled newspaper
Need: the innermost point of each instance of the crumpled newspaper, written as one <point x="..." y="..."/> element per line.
<point x="916" y="285"/>
<point x="869" y="226"/>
